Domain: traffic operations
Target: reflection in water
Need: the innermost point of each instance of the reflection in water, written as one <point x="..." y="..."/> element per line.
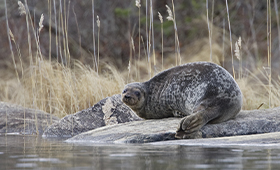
<point x="19" y="152"/>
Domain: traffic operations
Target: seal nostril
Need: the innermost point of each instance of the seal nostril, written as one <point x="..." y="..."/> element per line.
<point x="127" y="97"/>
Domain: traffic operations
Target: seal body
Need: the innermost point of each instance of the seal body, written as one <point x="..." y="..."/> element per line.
<point x="201" y="92"/>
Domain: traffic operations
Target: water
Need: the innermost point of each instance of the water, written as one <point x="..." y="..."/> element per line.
<point x="31" y="152"/>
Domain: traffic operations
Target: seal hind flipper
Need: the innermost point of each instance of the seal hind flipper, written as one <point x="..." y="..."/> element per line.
<point x="190" y="125"/>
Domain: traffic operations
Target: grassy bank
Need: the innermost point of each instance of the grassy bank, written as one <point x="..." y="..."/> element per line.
<point x="65" y="85"/>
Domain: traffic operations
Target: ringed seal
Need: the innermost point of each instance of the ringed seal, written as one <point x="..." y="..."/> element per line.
<point x="200" y="92"/>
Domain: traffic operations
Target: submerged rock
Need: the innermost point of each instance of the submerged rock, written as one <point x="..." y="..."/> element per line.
<point x="20" y="120"/>
<point x="245" y="123"/>
<point x="266" y="139"/>
<point x="108" y="111"/>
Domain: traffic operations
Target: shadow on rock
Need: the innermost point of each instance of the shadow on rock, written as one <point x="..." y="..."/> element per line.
<point x="108" y="111"/>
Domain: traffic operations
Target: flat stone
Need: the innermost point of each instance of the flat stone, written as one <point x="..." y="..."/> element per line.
<point x="132" y="132"/>
<point x="245" y="123"/>
<point x="108" y="111"/>
<point x="19" y="120"/>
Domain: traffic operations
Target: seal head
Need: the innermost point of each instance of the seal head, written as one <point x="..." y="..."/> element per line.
<point x="134" y="95"/>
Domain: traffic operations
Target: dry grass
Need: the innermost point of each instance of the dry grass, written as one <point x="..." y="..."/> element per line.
<point x="60" y="90"/>
<point x="257" y="90"/>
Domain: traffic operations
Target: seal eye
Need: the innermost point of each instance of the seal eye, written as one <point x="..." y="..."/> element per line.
<point x="124" y="91"/>
<point x="137" y="93"/>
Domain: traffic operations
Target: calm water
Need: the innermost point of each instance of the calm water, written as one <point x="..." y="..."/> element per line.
<point x="29" y="152"/>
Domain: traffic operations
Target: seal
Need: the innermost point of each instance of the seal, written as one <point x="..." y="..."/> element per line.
<point x="200" y="92"/>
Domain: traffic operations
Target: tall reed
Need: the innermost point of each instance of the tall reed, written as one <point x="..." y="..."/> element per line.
<point x="93" y="36"/>
<point x="231" y="50"/>
<point x="148" y="42"/>
<point x="98" y="26"/>
<point x="269" y="49"/>
<point x="22" y="11"/>
<point x="171" y="17"/>
<point x="209" y="30"/>
<point x="277" y="20"/>
<point x="161" y="29"/>
<point x="152" y="34"/>
<point x="138" y="5"/>
<point x="151" y="50"/>
<point x="224" y="35"/>
<point x="50" y="28"/>
<point x="238" y="55"/>
<point x="9" y="33"/>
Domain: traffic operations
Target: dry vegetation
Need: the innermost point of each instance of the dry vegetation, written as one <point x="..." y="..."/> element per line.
<point x="67" y="84"/>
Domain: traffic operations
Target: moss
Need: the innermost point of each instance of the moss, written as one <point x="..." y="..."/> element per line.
<point x="196" y="4"/>
<point x="121" y="12"/>
<point x="168" y="28"/>
<point x="143" y="20"/>
<point x="188" y="19"/>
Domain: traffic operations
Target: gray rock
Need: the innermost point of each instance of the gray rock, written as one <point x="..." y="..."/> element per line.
<point x="108" y="111"/>
<point x="246" y="122"/>
<point x="20" y="120"/>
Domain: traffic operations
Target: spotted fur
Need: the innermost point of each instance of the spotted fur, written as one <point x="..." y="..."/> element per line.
<point x="203" y="89"/>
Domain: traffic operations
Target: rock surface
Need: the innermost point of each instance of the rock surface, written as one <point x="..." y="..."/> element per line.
<point x="246" y="122"/>
<point x="108" y="111"/>
<point x="20" y="120"/>
<point x="132" y="132"/>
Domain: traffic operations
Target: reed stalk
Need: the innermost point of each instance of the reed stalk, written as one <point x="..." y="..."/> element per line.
<point x="50" y="28"/>
<point x="93" y="36"/>
<point x="56" y="32"/>
<point x="133" y="54"/>
<point x="238" y="55"/>
<point x="161" y="26"/>
<point x="212" y="19"/>
<point x="148" y="41"/>
<point x="66" y="31"/>
<point x="98" y="26"/>
<point x="138" y="5"/>
<point x="224" y="35"/>
<point x="171" y="17"/>
<point x="22" y="10"/>
<point x="278" y="26"/>
<point x="11" y="48"/>
<point x="231" y="50"/>
<point x="176" y="36"/>
<point x="152" y="35"/>
<point x="62" y="26"/>
<point x="209" y="31"/>
<point x="269" y="49"/>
